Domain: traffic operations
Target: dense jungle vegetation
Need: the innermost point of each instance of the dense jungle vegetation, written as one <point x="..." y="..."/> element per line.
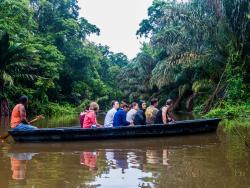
<point x="197" y="53"/>
<point x="45" y="55"/>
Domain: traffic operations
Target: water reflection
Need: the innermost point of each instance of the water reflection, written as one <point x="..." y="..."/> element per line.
<point x="131" y="163"/>
<point x="188" y="161"/>
<point x="18" y="163"/>
<point x="89" y="159"/>
<point x="156" y="157"/>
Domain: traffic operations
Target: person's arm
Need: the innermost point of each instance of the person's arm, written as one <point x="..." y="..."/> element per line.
<point x="94" y="121"/>
<point x="124" y="121"/>
<point x="164" y="116"/>
<point x="36" y="119"/>
<point x="23" y="114"/>
<point x="139" y="119"/>
<point x="169" y="114"/>
<point x="106" y="120"/>
<point x="93" y="118"/>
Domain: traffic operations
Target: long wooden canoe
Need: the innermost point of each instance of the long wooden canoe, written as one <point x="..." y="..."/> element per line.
<point x="75" y="134"/>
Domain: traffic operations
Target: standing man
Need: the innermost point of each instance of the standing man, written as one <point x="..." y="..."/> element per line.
<point x="151" y="112"/>
<point x="18" y="116"/>
<point x="108" y="122"/>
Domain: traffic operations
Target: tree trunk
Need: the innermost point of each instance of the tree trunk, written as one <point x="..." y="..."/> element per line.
<point x="216" y="6"/>
<point x="190" y="102"/>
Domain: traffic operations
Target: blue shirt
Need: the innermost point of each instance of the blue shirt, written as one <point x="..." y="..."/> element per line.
<point x="120" y="118"/>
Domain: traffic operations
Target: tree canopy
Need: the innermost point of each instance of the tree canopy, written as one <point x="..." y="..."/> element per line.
<point x="45" y="54"/>
<point x="198" y="53"/>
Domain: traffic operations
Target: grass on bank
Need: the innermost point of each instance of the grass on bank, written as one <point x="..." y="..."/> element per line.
<point x="231" y="111"/>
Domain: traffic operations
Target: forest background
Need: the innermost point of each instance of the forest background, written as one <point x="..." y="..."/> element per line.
<point x="198" y="53"/>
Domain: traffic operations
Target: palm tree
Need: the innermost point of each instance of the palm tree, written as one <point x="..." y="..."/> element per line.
<point x="14" y="62"/>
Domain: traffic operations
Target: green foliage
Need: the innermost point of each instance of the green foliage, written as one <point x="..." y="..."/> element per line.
<point x="201" y="86"/>
<point x="56" y="109"/>
<point x="44" y="54"/>
<point x="200" y="51"/>
<point x="231" y="111"/>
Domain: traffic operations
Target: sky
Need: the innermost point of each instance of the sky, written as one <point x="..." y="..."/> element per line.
<point x="118" y="21"/>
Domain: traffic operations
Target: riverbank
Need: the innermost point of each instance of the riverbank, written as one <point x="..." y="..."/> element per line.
<point x="52" y="109"/>
<point x="233" y="115"/>
<point x="231" y="111"/>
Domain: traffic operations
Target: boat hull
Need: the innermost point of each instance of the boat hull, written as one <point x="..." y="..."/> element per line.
<point x="75" y="134"/>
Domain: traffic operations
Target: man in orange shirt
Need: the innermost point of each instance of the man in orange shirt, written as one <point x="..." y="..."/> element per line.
<point x="18" y="116"/>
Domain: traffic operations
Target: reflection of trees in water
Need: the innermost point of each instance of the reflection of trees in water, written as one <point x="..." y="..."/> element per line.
<point x="4" y="122"/>
<point x="210" y="166"/>
<point x="178" y="166"/>
<point x="5" y="171"/>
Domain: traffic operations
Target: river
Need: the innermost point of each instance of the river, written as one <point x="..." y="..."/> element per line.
<point x="220" y="159"/>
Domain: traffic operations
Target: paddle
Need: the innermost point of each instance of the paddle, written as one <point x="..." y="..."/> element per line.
<point x="5" y="135"/>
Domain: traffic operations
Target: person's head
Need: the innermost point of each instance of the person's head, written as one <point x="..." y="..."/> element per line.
<point x="135" y="106"/>
<point x="143" y="105"/>
<point x="86" y="108"/>
<point x="115" y="104"/>
<point x="23" y="100"/>
<point x="124" y="106"/>
<point x="169" y="102"/>
<point x="154" y="102"/>
<point x="94" y="106"/>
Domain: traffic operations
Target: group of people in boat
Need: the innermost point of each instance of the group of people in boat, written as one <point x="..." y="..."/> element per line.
<point x="121" y="114"/>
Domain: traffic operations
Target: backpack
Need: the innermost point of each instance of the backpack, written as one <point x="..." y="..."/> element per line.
<point x="158" y="118"/>
<point x="81" y="118"/>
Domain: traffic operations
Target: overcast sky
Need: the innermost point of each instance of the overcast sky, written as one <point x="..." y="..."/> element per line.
<point x="118" y="21"/>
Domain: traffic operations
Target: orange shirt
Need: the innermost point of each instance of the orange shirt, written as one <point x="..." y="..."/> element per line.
<point x="89" y="119"/>
<point x="18" y="168"/>
<point x="15" y="116"/>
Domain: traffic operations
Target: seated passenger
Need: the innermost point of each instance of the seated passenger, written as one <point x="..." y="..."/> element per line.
<point x="140" y="117"/>
<point x="90" y="116"/>
<point x="120" y="116"/>
<point x="163" y="116"/>
<point x="18" y="116"/>
<point x="151" y="112"/>
<point x="108" y="122"/>
<point x="131" y="113"/>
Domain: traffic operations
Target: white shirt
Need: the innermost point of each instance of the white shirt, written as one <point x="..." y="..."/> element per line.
<point x="108" y="122"/>
<point x="131" y="115"/>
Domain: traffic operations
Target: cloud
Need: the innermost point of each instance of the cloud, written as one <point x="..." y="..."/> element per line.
<point x="118" y="21"/>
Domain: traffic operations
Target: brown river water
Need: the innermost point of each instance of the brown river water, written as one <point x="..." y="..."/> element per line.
<point x="220" y="159"/>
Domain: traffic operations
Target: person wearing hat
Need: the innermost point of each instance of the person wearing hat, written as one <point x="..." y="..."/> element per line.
<point x="163" y="116"/>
